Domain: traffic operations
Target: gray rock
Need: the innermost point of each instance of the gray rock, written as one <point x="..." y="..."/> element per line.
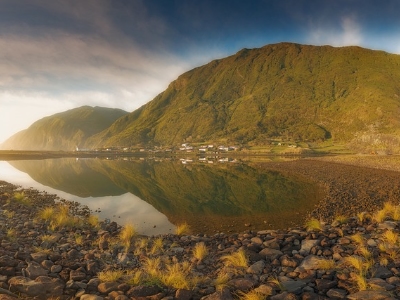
<point x="270" y="253"/>
<point x="39" y="257"/>
<point x="370" y="295"/>
<point x="337" y="294"/>
<point x="306" y="246"/>
<point x="107" y="287"/>
<point x="272" y="244"/>
<point x="222" y="295"/>
<point x="256" y="268"/>
<point x="265" y="290"/>
<point x="242" y="284"/>
<point x="90" y="297"/>
<point x="34" y="270"/>
<point x="292" y="286"/>
<point x="55" y="269"/>
<point x="387" y="225"/>
<point x="42" y="286"/>
<point x="311" y="262"/>
<point x="182" y="294"/>
<point x="382" y="272"/>
<point x="256" y="240"/>
<point x="143" y="291"/>
<point x="379" y="283"/>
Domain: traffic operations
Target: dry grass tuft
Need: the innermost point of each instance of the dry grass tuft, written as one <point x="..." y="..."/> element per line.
<point x="313" y="225"/>
<point x="200" y="251"/>
<point x="327" y="264"/>
<point x="182" y="229"/>
<point x="126" y="235"/>
<point x="252" y="295"/>
<point x="110" y="275"/>
<point x="236" y="259"/>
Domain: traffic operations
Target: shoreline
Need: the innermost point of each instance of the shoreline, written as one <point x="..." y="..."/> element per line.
<point x="39" y="261"/>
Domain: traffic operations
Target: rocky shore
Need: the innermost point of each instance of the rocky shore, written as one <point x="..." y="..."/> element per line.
<point x="66" y="254"/>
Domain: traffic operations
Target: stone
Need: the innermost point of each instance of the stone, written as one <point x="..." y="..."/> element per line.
<point x="311" y="262"/>
<point x="306" y="246"/>
<point x="91" y="297"/>
<point x="55" y="269"/>
<point x="382" y="272"/>
<point x="73" y="254"/>
<point x="288" y="262"/>
<point x="379" y="283"/>
<point x="39" y="257"/>
<point x="284" y="296"/>
<point x="324" y="284"/>
<point x="256" y="240"/>
<point x="107" y="287"/>
<point x="222" y="295"/>
<point x="77" y="275"/>
<point x="266" y="290"/>
<point x="143" y="291"/>
<point x="182" y="294"/>
<point x="336" y="294"/>
<point x="271" y="253"/>
<point x="256" y="268"/>
<point x="387" y="225"/>
<point x="34" y="270"/>
<point x="242" y="284"/>
<point x="7" y="261"/>
<point x="370" y="295"/>
<point x="42" y="286"/>
<point x="272" y="244"/>
<point x="394" y="280"/>
<point x="292" y="286"/>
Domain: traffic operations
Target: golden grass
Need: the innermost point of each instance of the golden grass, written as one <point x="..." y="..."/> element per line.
<point x="383" y="247"/>
<point x="110" y="275"/>
<point x="236" y="259"/>
<point x="200" y="251"/>
<point x="341" y="219"/>
<point x="390" y="237"/>
<point x="355" y="262"/>
<point x="182" y="229"/>
<point x="362" y="216"/>
<point x="389" y="208"/>
<point x="358" y="238"/>
<point x="9" y="214"/>
<point x="252" y="295"/>
<point x="126" y="235"/>
<point x="79" y="239"/>
<point x="326" y="264"/>
<point x="46" y="214"/>
<point x="157" y="245"/>
<point x="38" y="249"/>
<point x="93" y="221"/>
<point x="364" y="252"/>
<point x="11" y="234"/>
<point x="396" y="214"/>
<point x="152" y="266"/>
<point x="136" y="277"/>
<point x="22" y="199"/>
<point x="383" y="261"/>
<point x="361" y="281"/>
<point x="313" y="225"/>
<point x="379" y="216"/>
<point x="177" y="275"/>
<point x="276" y="281"/>
<point x="221" y="281"/>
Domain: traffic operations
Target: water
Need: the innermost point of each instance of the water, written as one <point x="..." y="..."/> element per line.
<point x="211" y="196"/>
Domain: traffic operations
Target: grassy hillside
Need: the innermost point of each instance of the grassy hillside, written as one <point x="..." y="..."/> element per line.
<point x="282" y="91"/>
<point x="64" y="131"/>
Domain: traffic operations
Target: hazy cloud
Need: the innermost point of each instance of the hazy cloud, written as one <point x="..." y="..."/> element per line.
<point x="347" y="33"/>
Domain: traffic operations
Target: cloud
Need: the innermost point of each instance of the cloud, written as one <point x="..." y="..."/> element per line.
<point x="347" y="33"/>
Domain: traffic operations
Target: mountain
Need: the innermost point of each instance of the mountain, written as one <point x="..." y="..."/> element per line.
<point x="283" y="91"/>
<point x="64" y="131"/>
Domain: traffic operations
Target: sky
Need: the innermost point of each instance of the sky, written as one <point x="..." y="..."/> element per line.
<point x="56" y="55"/>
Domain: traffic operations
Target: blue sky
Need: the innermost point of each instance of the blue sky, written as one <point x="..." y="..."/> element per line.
<point x="56" y="55"/>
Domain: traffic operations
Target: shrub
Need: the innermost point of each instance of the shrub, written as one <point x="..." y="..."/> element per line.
<point x="236" y="259"/>
<point x="182" y="229"/>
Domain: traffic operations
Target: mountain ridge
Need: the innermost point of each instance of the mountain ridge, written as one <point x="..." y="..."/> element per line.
<point x="65" y="130"/>
<point x="286" y="92"/>
<point x="281" y="91"/>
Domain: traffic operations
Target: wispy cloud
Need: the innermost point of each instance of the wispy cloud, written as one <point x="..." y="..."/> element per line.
<point x="347" y="33"/>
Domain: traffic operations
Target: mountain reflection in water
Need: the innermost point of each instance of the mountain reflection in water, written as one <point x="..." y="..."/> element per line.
<point x="210" y="198"/>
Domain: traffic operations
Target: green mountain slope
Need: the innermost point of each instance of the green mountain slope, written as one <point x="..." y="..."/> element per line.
<point x="286" y="91"/>
<point x="64" y="131"/>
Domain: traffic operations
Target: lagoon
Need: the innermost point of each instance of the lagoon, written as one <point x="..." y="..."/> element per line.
<point x="211" y="195"/>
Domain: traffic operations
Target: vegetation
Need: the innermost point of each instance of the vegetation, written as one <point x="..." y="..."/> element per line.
<point x="236" y="259"/>
<point x="200" y="251"/>
<point x="286" y="92"/>
<point x="64" y="131"/>
<point x="126" y="235"/>
<point x="313" y="225"/>
<point x="182" y="229"/>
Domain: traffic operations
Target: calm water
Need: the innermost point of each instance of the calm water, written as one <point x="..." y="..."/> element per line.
<point x="211" y="195"/>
